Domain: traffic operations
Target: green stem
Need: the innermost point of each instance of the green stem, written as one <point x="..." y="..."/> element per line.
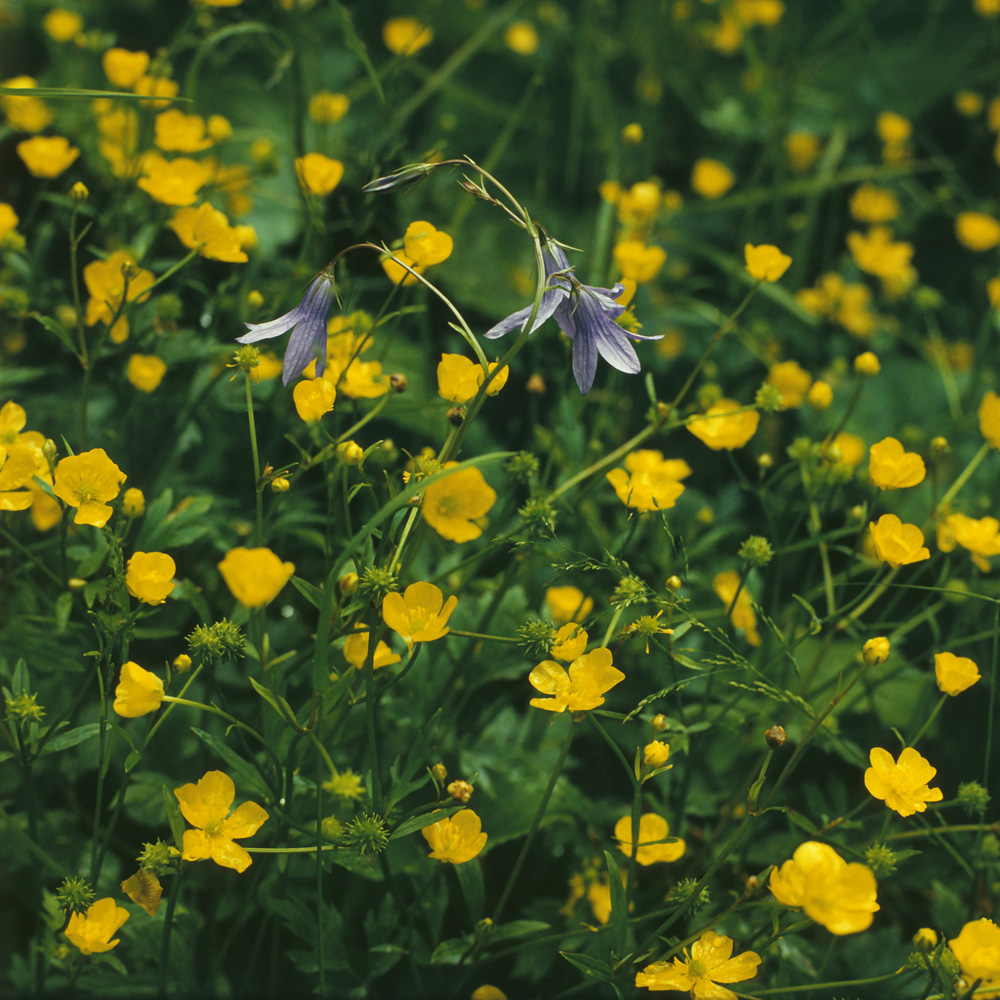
<point x="923" y="729"/>
<point x="963" y="477"/>
<point x="256" y="462"/>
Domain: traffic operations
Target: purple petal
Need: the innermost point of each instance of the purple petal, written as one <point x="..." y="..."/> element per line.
<point x="584" y="361"/>
<point x="274" y="328"/>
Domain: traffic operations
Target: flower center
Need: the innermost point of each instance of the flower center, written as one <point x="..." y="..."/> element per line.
<point x="213" y="827"/>
<point x="448" y="506"/>
<point x="697" y="968"/>
<point x="85" y="492"/>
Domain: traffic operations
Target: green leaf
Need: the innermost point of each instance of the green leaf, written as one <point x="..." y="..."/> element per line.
<point x="415" y="823"/>
<point x="516" y="929"/>
<point x="174" y="817"/>
<point x="619" y="906"/>
<point x="276" y="702"/>
<point x="312" y="594"/>
<point x="64" y="606"/>
<point x="56" y="329"/>
<point x="70" y="738"/>
<point x="591" y="966"/>
<point x="131" y="760"/>
<point x="354" y="43"/>
<point x="450" y="952"/>
<point x="249" y="775"/>
<point x="470" y="878"/>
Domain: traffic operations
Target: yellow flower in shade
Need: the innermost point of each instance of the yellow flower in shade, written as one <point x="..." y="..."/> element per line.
<point x="326" y="108"/>
<point x="792" y="381"/>
<point x="802" y="150"/>
<point x="62" y="25"/>
<point x="568" y="604"/>
<point x="742" y="616"/>
<point x="766" y="262"/>
<point x="176" y="132"/>
<point x="219" y="127"/>
<point x="571" y="643"/>
<point x="255" y="577"/>
<point x="820" y="395"/>
<point x="639" y="204"/>
<point x="656" y="754"/>
<point x="873" y="204"/>
<point x="106" y="283"/>
<point x="313" y="397"/>
<point x="711" y="179"/>
<point x="977" y="231"/>
<point x="123" y="68"/>
<point x="867" y="364"/>
<point x="521" y="37"/>
<point x="455" y="839"/>
<point x="419" y="614"/>
<point x="158" y="89"/>
<point x="405" y="36"/>
<point x="206" y="806"/>
<point x="650" y="849"/>
<point x="838" y="895"/>
<point x="144" y="889"/>
<point x="25" y="114"/>
<point x="709" y="963"/>
<point x="133" y="503"/>
<point x="986" y="8"/>
<point x="139" y="692"/>
<point x="955" y="674"/>
<point x="451" y="503"/>
<point x="721" y="428"/>
<point x="632" y="134"/>
<point x="896" y="543"/>
<point x="590" y="676"/>
<point x="876" y="253"/>
<point x="92" y="933"/>
<point x="20" y="460"/>
<point x="172" y="182"/>
<point x="8" y="219"/>
<point x="650" y="482"/>
<point x="356" y="652"/>
<point x="88" y="481"/>
<point x="892" y="468"/>
<point x="425" y="245"/>
<point x="635" y="260"/>
<point x="901" y="785"/>
<point x="981" y="537"/>
<point x="892" y="127"/>
<point x="46" y="155"/>
<point x="977" y="949"/>
<point x="989" y="418"/>
<point x="208" y="231"/>
<point x="318" y="174"/>
<point x="150" y="576"/>
<point x="145" y="371"/>
<point x="395" y="266"/>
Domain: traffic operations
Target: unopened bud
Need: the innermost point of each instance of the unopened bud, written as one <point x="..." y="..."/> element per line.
<point x="76" y="583"/>
<point x="674" y="583"/>
<point x="535" y="384"/>
<point x="775" y="737"/>
<point x="78" y="193"/>
<point x="659" y="722"/>
<point x="348" y="584"/>
<point x="397" y="382"/>
<point x="460" y="791"/>
<point x="280" y="485"/>
<point x="182" y="663"/>
<point x="876" y="650"/>
<point x="456" y="416"/>
<point x="925" y="940"/>
<point x="254" y="299"/>
<point x="350" y="452"/>
<point x="439" y="772"/>
<point x="867" y="364"/>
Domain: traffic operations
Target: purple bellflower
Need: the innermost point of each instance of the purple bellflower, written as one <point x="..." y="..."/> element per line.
<point x="307" y="321"/>
<point x="585" y="314"/>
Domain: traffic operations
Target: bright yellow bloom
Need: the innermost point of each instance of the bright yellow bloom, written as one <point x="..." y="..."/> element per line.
<point x="720" y="428"/>
<point x="892" y="468"/>
<point x="405" y="36"/>
<point x="986" y="8"/>
<point x="571" y="643"/>
<point x="639" y="204"/>
<point x="802" y="150"/>
<point x="88" y="481"/>
<point x="896" y="543"/>
<point x="326" y="108"/>
<point x="455" y="839"/>
<point x="395" y="266"/>
<point x="709" y="963"/>
<point x="318" y="174"/>
<point x="838" y="895"/>
<point x="313" y="397"/>
<point x="876" y="253"/>
<point x="902" y="785"/>
<point x="743" y="617"/>
<point x="133" y="503"/>
<point x="989" y="418"/>
<point x="892" y="127"/>
<point x="8" y="219"/>
<point x="650" y="849"/>
<point x="567" y="604"/>
<point x="635" y="260"/>
<point x="632" y="134"/>
<point x="145" y="371"/>
<point x="450" y="504"/>
<point x="172" y="182"/>
<point x="123" y="68"/>
<point x="521" y="37"/>
<point x="873" y="204"/>
<point x="62" y="25"/>
<point x="425" y="245"/>
<point x="711" y="179"/>
<point x="208" y="231"/>
<point x="144" y="889"/>
<point x="158" y="89"/>
<point x="92" y="933"/>
<point x="867" y="364"/>
<point x="176" y="132"/>
<point x="419" y="614"/>
<point x="650" y="482"/>
<point x="150" y="576"/>
<point x="459" y="378"/>
<point x="46" y="155"/>
<point x="655" y="754"/>
<point x="955" y="674"/>
<point x="139" y="692"/>
<point x="977" y="231"/>
<point x="206" y="805"/>
<point x="792" y="381"/>
<point x="106" y="283"/>
<point x="977" y="947"/>
<point x="356" y="651"/>
<point x="20" y="460"/>
<point x="876" y="650"/>
<point x="582" y="688"/>
<point x="25" y="114"/>
<point x="820" y="395"/>
<point x="766" y="262"/>
<point x="980" y="536"/>
<point x="255" y="577"/>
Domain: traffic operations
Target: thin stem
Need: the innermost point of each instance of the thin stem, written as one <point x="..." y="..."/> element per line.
<point x="256" y="462"/>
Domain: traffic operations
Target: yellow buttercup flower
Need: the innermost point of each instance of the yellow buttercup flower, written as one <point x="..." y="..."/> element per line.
<point x="802" y="150"/>
<point x="820" y="395"/>
<point x="450" y="504"/>
<point x="765" y="262"/>
<point x="896" y="543"/>
<point x="158" y="89"/>
<point x="425" y="245"/>
<point x="314" y="397"/>
<point x="206" y="806"/>
<point x="455" y="839"/>
<point x="176" y="132"/>
<point x="838" y="895"/>
<point x="208" y="231"/>
<point x="62" y="25"/>
<point x="8" y="219"/>
<point x="92" y="933"/>
<point x="172" y="182"/>
<point x="892" y="468"/>
<point x="989" y="418"/>
<point x="581" y="688"/>
<point x="721" y="428"/>
<point x="571" y="643"/>
<point x="106" y="283"/>
<point x="708" y="963"/>
<point x="649" y="849"/>
<point x="632" y="134"/>
<point x="459" y="378"/>
<point x="955" y="674"/>
<point x="145" y="371"/>
<point x="635" y="260"/>
<point x="398" y="269"/>
<point x="792" y="381"/>
<point x="892" y="127"/>
<point x="139" y="692"/>
<point x="419" y="614"/>
<point x="874" y="205"/>
<point x="867" y="364"/>
<point x="980" y="536"/>
<point x="144" y="889"/>
<point x="977" y="946"/>
<point x="521" y="37"/>
<point x="742" y="616"/>
<point x="25" y="114"/>
<point x="356" y="651"/>
<point x="977" y="231"/>
<point x="255" y="577"/>
<point x="655" y="754"/>
<point x="902" y="784"/>
<point x="88" y="481"/>
<point x="133" y="503"/>
<point x="405" y="36"/>
<point x="318" y="174"/>
<point x="326" y="108"/>
<point x="638" y="205"/>
<point x="876" y="253"/>
<point x="711" y="179"/>
<point x="568" y="604"/>
<point x="46" y="155"/>
<point x="150" y="576"/>
<point x="124" y="68"/>
<point x="650" y="482"/>
<point x="876" y="650"/>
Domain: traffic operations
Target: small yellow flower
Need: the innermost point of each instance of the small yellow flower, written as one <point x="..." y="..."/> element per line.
<point x="650" y="482"/>
<point x="133" y="503"/>
<point x="820" y="395"/>
<point x="144" y="889"/>
<point x="650" y="849"/>
<point x="901" y="785"/>
<point x="88" y="481"/>
<point x="62" y="25"/>
<point x="838" y="895"/>
<point x="124" y="68"/>
<point x="955" y="674"/>
<point x="925" y="940"/>
<point x="459" y="378"/>
<point x="452" y="503"/>
<point x="326" y="108"/>
<point x="92" y="933"/>
<point x="425" y="245"/>
<point x="802" y="150"/>
<point x="455" y="839"/>
<point x="46" y="156"/>
<point x="176" y="132"/>
<point x="145" y="371"/>
<point x="893" y="128"/>
<point x="977" y="231"/>
<point x="314" y="397"/>
<point x="632" y="134"/>
<point x="656" y="753"/>
<point x="158" y="89"/>
<point x="571" y="643"/>
<point x="635" y="260"/>
<point x="521" y="37"/>
<point x="892" y="468"/>
<point x="318" y="174"/>
<point x="876" y="253"/>
<point x="742" y="616"/>
<point x="419" y="614"/>
<point x="218" y="127"/>
<point x="792" y="381"/>
<point x="989" y="418"/>
<point x="980" y="536"/>
<point x="766" y="262"/>
<point x="977" y="946"/>
<point x="720" y="428"/>
<point x="206" y="806"/>
<point x="405" y="36"/>
<point x="106" y="283"/>
<point x="876" y="650"/>
<point x="874" y="205"/>
<point x="8" y="219"/>
<point x="172" y="182"/>
<point x="867" y="364"/>
<point x="255" y="577"/>
<point x="139" y="692"/>
<point x="896" y="543"/>
<point x="711" y="179"/>
<point x="590" y="676"/>
<point x="398" y="269"/>
<point x="150" y="576"/>
<point x="25" y="114"/>
<point x="568" y="604"/>
<point x="356" y="652"/>
<point x="208" y="231"/>
<point x="709" y="963"/>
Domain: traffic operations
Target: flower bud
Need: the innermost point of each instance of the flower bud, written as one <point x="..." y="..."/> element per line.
<point x="674" y="583"/>
<point x="775" y="737"/>
<point x="280" y="485"/>
<point x="50" y="450"/>
<point x="876" y="650"/>
<point x="939" y="445"/>
<point x="254" y="299"/>
<point x="350" y="452"/>
<point x="439" y="772"/>
<point x="659" y="722"/>
<point x="765" y="460"/>
<point x="78" y="193"/>
<point x="820" y="395"/>
<point x="133" y="503"/>
<point x="397" y="382"/>
<point x="756" y="551"/>
<point x="925" y="940"/>
<point x="535" y="384"/>
<point x="348" y="584"/>
<point x="460" y="791"/>
<point x="182" y="663"/>
<point x="655" y="753"/>
<point x="456" y="416"/>
<point x="867" y="364"/>
<point x="76" y="583"/>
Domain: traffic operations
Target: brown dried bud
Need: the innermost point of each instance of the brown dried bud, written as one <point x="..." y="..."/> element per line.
<point x="535" y="384"/>
<point x="460" y="791"/>
<point x="456" y="416"/>
<point x="397" y="382"/>
<point x="775" y="737"/>
<point x="659" y="722"/>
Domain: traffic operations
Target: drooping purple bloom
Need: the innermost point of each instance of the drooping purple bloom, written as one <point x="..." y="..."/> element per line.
<point x="307" y="321"/>
<point x="585" y="314"/>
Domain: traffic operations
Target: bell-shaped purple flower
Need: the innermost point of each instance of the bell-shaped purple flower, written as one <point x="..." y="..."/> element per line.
<point x="307" y="321"/>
